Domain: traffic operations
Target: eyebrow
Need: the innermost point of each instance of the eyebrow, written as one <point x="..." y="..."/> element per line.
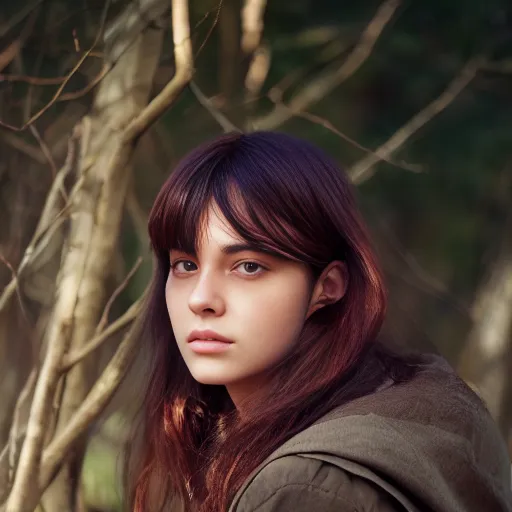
<point x="231" y="249"/>
<point x="241" y="247"/>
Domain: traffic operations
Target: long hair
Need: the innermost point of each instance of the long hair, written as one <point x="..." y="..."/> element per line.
<point x="287" y="196"/>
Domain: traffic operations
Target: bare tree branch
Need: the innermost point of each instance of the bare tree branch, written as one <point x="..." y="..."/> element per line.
<point x="363" y="169"/>
<point x="224" y="122"/>
<point x="44" y="148"/>
<point x="485" y="360"/>
<point x="252" y="24"/>
<point x="26" y="148"/>
<point x="104" y="317"/>
<point x="7" y="55"/>
<point x="47" y="226"/>
<point x="214" y="24"/>
<point x="55" y="97"/>
<point x="323" y="84"/>
<point x="95" y="81"/>
<point x="15" y="280"/>
<point x="38" y="80"/>
<point x="96" y="401"/>
<point x="257" y="71"/>
<point x="183" y="73"/>
<point x="75" y="357"/>
<point x="119" y="103"/>
<point x="327" y="124"/>
<point x="15" y="433"/>
<point x="103" y="183"/>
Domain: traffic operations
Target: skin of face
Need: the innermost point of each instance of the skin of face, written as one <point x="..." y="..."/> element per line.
<point x="258" y="301"/>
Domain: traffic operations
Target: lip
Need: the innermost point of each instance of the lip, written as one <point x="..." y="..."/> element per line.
<point x="209" y="347"/>
<point x="205" y="334"/>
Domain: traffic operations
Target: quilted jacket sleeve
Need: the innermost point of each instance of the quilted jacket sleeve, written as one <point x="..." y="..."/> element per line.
<point x="299" y="484"/>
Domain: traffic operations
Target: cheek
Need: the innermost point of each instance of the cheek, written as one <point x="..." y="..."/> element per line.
<point x="174" y="301"/>
<point x="277" y="317"/>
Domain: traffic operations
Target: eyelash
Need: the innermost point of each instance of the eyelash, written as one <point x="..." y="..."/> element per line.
<point x="173" y="266"/>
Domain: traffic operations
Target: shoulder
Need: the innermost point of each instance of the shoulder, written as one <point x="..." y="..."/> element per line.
<point x="296" y="483"/>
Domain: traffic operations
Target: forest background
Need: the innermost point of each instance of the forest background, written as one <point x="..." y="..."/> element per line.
<point x="100" y="99"/>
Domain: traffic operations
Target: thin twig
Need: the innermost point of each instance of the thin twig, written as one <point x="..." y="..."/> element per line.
<point x="364" y="168"/>
<point x="77" y="66"/>
<point x="33" y="80"/>
<point x="45" y="228"/>
<point x="326" y="82"/>
<point x="15" y="280"/>
<point x="26" y="148"/>
<point x="224" y="122"/>
<point x="325" y="123"/>
<point x="73" y="358"/>
<point x="38" y="80"/>
<point x="95" y="81"/>
<point x="104" y="317"/>
<point x="15" y="432"/>
<point x="47" y="153"/>
<point x="214" y="24"/>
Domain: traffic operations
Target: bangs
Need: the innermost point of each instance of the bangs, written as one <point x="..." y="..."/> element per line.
<point x="231" y="177"/>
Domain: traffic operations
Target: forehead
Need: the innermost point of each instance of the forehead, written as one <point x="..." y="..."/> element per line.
<point x="215" y="228"/>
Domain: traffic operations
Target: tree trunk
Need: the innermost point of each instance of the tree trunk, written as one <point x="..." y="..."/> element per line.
<point x="95" y="226"/>
<point x="484" y="363"/>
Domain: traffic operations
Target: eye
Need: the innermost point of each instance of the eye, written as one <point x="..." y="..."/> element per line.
<point x="251" y="267"/>
<point x="186" y="266"/>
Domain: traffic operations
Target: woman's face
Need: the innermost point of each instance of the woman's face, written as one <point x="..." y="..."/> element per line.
<point x="258" y="301"/>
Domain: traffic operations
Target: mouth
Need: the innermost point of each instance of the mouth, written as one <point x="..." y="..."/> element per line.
<point x="207" y="336"/>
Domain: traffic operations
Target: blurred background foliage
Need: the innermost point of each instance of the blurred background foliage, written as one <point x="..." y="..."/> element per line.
<point x="439" y="224"/>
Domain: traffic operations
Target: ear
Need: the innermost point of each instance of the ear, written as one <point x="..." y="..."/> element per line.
<point x="330" y="287"/>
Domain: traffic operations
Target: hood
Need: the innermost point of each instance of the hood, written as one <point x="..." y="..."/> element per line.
<point x="429" y="442"/>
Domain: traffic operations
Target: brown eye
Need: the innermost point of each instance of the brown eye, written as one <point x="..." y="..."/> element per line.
<point x="187" y="266"/>
<point x="251" y="267"/>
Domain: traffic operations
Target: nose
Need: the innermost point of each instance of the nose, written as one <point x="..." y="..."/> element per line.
<point x="205" y="296"/>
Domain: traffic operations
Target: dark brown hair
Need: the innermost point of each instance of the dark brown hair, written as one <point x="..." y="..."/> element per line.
<point x="284" y="195"/>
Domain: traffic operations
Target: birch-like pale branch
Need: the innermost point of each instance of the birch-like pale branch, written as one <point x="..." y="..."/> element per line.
<point x="326" y="82"/>
<point x="252" y="24"/>
<point x="252" y="30"/>
<point x="184" y="69"/>
<point x="94" y="404"/>
<point x="16" y="427"/>
<point x="223" y="121"/>
<point x="80" y="291"/>
<point x="104" y="173"/>
<point x="104" y="317"/>
<point x="485" y="360"/>
<point x="73" y="358"/>
<point x="9" y="455"/>
<point x="363" y="169"/>
<point x="23" y="490"/>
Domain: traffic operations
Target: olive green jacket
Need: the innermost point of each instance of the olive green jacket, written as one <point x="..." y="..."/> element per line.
<point x="427" y="445"/>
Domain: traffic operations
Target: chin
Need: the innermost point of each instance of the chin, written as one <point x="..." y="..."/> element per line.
<point x="212" y="380"/>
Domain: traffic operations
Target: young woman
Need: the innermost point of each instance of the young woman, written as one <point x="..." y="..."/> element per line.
<point x="268" y="388"/>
